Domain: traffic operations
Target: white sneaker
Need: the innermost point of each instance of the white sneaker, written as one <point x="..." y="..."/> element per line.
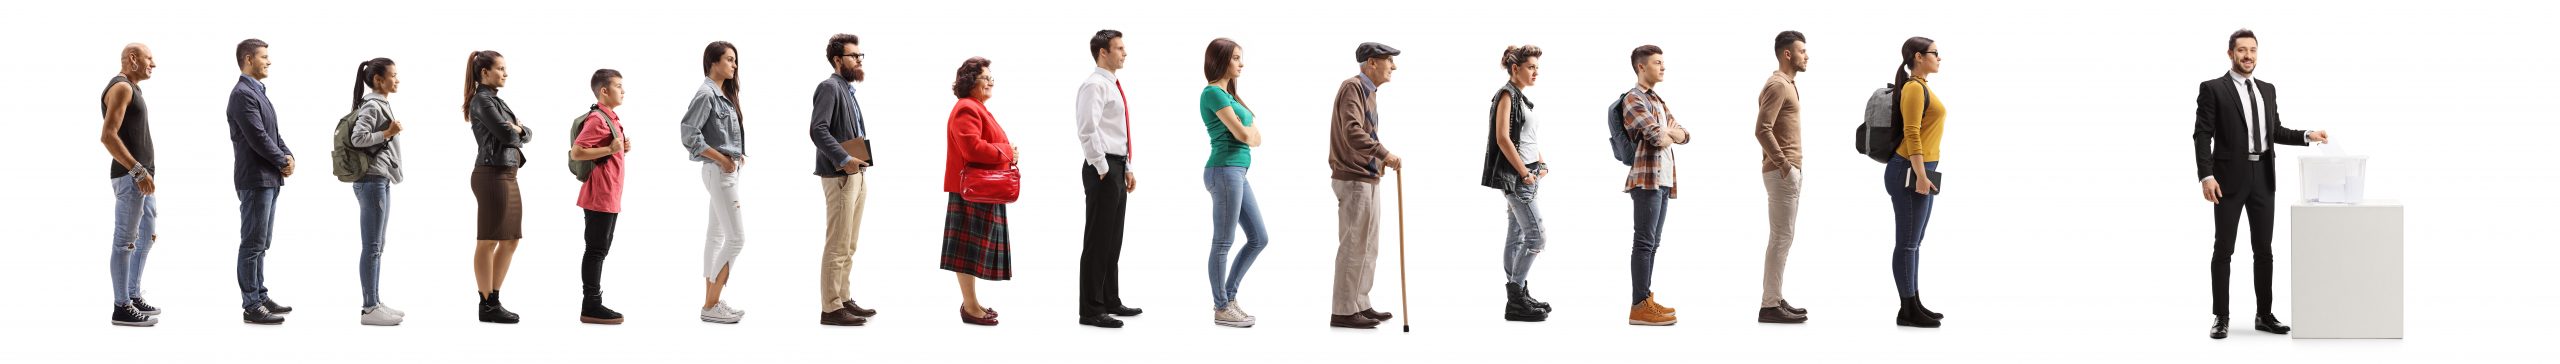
<point x="721" y="313"/>
<point x="1232" y="317"/>
<point x="393" y="311"/>
<point x="380" y="316"/>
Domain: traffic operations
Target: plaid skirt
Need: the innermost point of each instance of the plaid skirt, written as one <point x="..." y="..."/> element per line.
<point x="974" y="241"/>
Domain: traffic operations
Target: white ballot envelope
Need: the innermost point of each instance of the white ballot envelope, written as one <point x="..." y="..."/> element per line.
<point x="2334" y="176"/>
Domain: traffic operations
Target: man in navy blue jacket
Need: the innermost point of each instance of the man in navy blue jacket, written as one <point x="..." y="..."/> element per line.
<point x="259" y="164"/>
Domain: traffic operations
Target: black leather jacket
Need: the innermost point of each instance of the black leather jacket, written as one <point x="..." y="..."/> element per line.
<point x="499" y="146"/>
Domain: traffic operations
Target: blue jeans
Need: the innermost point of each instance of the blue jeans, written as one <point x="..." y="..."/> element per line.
<point x="257" y="228"/>
<point x="373" y="202"/>
<point x="1528" y="234"/>
<point x="137" y="220"/>
<point x="1910" y="223"/>
<point x="1231" y="205"/>
<point x="1652" y="206"/>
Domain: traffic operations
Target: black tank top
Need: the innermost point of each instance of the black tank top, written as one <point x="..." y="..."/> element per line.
<point x="136" y="131"/>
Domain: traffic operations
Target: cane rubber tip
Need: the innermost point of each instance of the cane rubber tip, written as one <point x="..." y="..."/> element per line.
<point x="1408" y="328"/>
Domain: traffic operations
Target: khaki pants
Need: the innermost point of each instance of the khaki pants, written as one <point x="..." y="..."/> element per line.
<point x="1783" y="186"/>
<point x="1355" y="264"/>
<point x="844" y="227"/>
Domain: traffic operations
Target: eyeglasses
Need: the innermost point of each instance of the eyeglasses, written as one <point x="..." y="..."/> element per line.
<point x="856" y="56"/>
<point x="1931" y="53"/>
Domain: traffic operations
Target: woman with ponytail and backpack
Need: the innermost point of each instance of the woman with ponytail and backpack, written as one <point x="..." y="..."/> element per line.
<point x="1908" y="176"/>
<point x="368" y="155"/>
<point x="493" y="178"/>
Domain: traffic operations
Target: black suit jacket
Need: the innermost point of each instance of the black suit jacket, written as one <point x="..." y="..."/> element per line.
<point x="2222" y="127"/>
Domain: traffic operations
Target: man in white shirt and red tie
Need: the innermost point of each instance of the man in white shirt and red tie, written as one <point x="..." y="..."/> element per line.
<point x="2237" y="128"/>
<point x="1102" y="125"/>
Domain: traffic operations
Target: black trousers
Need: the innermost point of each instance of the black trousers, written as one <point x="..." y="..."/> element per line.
<point x="599" y="242"/>
<point x="1106" y="212"/>
<point x="2247" y="188"/>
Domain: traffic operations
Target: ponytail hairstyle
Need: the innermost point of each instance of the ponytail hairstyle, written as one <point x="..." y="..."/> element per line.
<point x="1912" y="46"/>
<point x="1221" y="56"/>
<point x="365" y="73"/>
<point x="480" y="61"/>
<point x="711" y="56"/>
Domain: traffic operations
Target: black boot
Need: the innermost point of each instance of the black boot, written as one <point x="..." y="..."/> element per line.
<point x="492" y="312"/>
<point x="1924" y="309"/>
<point x="1533" y="301"/>
<point x="1912" y="316"/>
<point x="1517" y="308"/>
<point x="594" y="312"/>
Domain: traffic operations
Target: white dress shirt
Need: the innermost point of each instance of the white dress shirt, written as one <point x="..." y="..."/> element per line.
<point x="1102" y="120"/>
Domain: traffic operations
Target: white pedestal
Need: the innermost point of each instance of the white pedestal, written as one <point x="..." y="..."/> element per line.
<point x="2346" y="270"/>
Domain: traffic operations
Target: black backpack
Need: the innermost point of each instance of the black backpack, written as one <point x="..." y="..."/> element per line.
<point x="1881" y="135"/>
<point x="1619" y="145"/>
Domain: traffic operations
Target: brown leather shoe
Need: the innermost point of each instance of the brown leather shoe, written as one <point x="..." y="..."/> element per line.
<point x="1649" y="313"/>
<point x="841" y="317"/>
<point x="1355" y="321"/>
<point x="857" y="310"/>
<point x="1782" y="304"/>
<point x="1373" y="314"/>
<point x="1780" y="315"/>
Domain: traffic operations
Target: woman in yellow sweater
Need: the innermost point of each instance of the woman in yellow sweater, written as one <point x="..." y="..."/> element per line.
<point x="1905" y="177"/>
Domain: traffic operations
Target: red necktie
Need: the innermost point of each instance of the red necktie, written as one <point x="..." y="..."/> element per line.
<point x="1125" y="130"/>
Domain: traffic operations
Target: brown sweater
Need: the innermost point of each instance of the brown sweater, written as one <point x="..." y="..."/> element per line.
<point x="1781" y="143"/>
<point x="1356" y="154"/>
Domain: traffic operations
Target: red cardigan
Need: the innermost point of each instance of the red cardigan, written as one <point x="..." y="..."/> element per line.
<point x="974" y="138"/>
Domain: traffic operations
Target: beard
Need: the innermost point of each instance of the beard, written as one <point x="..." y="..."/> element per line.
<point x="854" y="74"/>
<point x="2244" y="68"/>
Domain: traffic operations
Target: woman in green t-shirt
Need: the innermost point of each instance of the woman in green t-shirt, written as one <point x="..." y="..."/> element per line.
<point x="1231" y="141"/>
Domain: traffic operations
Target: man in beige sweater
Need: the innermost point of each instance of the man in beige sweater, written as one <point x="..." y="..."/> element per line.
<point x="1782" y="172"/>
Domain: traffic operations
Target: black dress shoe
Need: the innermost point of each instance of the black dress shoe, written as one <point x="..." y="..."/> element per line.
<point x="277" y="308"/>
<point x="857" y="310"/>
<point x="1780" y="315"/>
<point x="1102" y="321"/>
<point x="2268" y="323"/>
<point x="1782" y="304"/>
<point x="1123" y="311"/>
<point x="2221" y="327"/>
<point x="260" y="315"/>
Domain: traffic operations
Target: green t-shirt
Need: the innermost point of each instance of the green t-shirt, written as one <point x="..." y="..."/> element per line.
<point x="1224" y="149"/>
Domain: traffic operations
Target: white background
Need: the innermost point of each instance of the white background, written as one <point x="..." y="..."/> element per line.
<point x="2072" y="231"/>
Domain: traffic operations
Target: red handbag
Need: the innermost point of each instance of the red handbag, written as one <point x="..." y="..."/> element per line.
<point x="991" y="186"/>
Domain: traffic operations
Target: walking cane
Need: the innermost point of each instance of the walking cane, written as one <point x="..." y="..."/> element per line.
<point x="1403" y="297"/>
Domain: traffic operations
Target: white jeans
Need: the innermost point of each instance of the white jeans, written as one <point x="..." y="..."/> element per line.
<point x="727" y="232"/>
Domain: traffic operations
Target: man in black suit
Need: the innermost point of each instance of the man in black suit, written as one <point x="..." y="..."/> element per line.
<point x="2236" y="129"/>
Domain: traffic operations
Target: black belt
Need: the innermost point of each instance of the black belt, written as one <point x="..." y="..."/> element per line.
<point x="2254" y="157"/>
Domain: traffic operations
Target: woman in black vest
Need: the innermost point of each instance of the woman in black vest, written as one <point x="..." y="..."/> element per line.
<point x="1513" y="164"/>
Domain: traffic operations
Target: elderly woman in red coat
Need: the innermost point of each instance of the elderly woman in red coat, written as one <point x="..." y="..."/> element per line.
<point x="974" y="242"/>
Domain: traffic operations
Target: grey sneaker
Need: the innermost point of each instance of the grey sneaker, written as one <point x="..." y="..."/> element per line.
<point x="721" y="313"/>
<point x="1233" y="317"/>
